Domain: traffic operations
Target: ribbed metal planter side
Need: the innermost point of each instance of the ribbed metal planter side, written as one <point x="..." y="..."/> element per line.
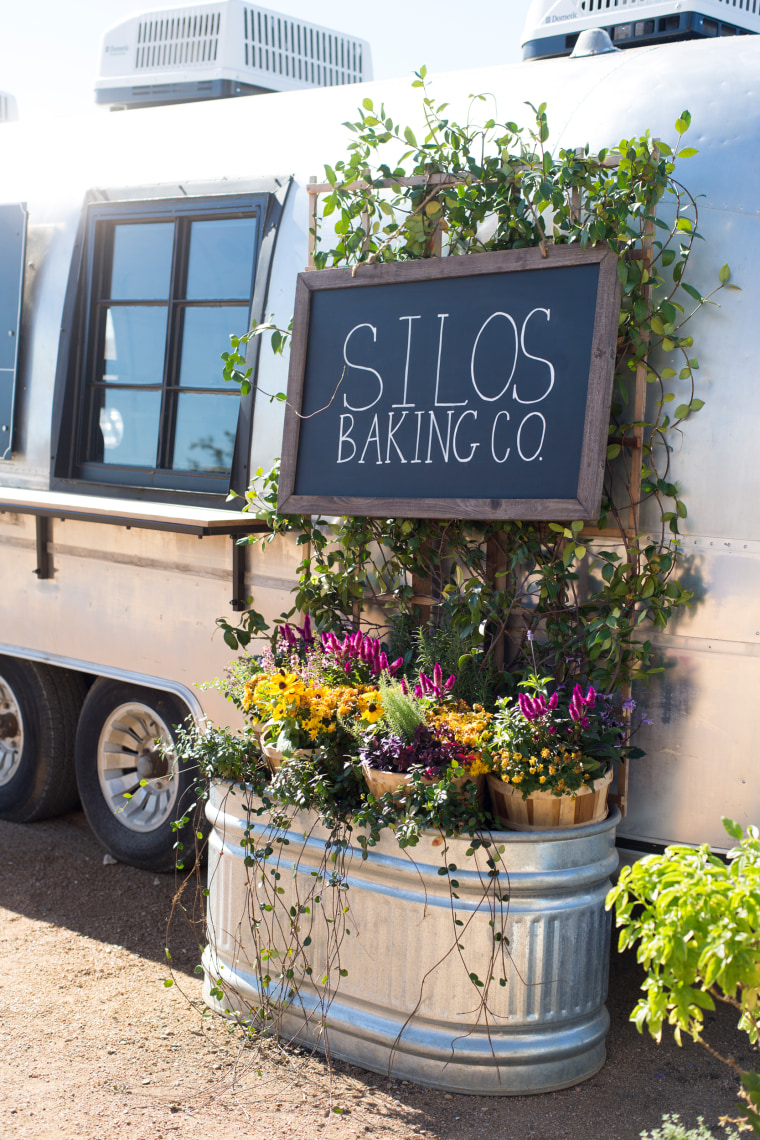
<point x="407" y="1004"/>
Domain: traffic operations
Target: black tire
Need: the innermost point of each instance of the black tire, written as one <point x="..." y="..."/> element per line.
<point x="116" y="727"/>
<point x="39" y="709"/>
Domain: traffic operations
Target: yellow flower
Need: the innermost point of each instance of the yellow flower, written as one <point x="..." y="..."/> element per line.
<point x="542" y="779"/>
<point x="370" y="707"/>
<point x="545" y="753"/>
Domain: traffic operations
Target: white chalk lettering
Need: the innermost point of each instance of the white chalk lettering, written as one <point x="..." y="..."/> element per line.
<point x="530" y="416"/>
<point x="491" y="399"/>
<point x="391" y="437"/>
<point x="443" y="403"/>
<point x="473" y="446"/>
<point x="493" y="439"/>
<point x="362" y="368"/>
<point x="419" y="416"/>
<point x="345" y="437"/>
<point x="540" y="360"/>
<point x="373" y="437"/>
<point x="406" y="366"/>
<point x="444" y="446"/>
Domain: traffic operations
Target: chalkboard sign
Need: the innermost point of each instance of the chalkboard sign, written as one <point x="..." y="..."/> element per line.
<point x="459" y="387"/>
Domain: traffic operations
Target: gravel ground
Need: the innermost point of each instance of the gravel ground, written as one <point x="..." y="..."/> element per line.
<point x="94" y="1045"/>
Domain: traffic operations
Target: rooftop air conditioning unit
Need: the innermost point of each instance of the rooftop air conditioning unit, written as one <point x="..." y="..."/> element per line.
<point x="8" y="107"/>
<point x="553" y="26"/>
<point x="222" y="49"/>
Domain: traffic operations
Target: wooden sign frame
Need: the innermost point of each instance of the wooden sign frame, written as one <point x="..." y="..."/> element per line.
<point x="584" y="505"/>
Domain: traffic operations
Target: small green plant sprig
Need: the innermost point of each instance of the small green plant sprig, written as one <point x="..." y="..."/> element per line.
<point x="695" y="922"/>
<point x="673" y="1129"/>
<point x="482" y="187"/>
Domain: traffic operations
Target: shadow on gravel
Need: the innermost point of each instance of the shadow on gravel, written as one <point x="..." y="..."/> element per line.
<point x="54" y="872"/>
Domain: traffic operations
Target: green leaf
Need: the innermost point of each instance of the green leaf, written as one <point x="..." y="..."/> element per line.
<point x="732" y="827"/>
<point x="723" y="274"/>
<point x="687" y="152"/>
<point x="409" y="136"/>
<point x="168" y="983"/>
<point x="692" y="291"/>
<point x="640" y="310"/>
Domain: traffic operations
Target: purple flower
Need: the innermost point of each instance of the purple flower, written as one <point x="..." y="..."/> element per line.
<point x="629" y="704"/>
<point x="526" y="706"/>
<point x="530" y="635"/>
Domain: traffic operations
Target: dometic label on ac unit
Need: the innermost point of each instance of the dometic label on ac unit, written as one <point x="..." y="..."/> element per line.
<point x="473" y="387"/>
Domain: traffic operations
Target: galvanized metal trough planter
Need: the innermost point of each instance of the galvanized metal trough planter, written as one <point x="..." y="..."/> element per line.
<point x="406" y="1005"/>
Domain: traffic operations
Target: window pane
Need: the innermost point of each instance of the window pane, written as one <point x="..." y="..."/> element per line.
<point x="221" y="259"/>
<point x="142" y="261"/>
<point x="205" y="433"/>
<point x="126" y="427"/>
<point x="205" y="336"/>
<point x="135" y="344"/>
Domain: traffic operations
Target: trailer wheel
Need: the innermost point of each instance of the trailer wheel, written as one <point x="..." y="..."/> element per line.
<point x="131" y="787"/>
<point x="39" y="707"/>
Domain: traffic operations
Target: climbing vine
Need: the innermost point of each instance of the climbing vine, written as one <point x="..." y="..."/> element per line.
<point x="458" y="591"/>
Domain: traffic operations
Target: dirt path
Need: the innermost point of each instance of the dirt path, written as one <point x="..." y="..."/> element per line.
<point x="94" y="1046"/>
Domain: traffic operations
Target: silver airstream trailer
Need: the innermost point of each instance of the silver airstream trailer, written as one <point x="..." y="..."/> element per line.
<point x="143" y="239"/>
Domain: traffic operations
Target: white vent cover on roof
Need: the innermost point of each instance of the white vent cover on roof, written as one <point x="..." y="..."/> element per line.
<point x="553" y="26"/>
<point x="212" y="50"/>
<point x="8" y="107"/>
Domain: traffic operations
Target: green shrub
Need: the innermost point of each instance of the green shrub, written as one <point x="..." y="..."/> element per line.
<point x="673" y="1129"/>
<point x="695" y="922"/>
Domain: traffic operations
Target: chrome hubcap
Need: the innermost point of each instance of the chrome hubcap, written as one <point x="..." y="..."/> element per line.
<point x="137" y="767"/>
<point x="11" y="734"/>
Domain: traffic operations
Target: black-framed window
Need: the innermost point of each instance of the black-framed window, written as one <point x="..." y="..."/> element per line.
<point x="167" y="289"/>
<point x="159" y="286"/>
